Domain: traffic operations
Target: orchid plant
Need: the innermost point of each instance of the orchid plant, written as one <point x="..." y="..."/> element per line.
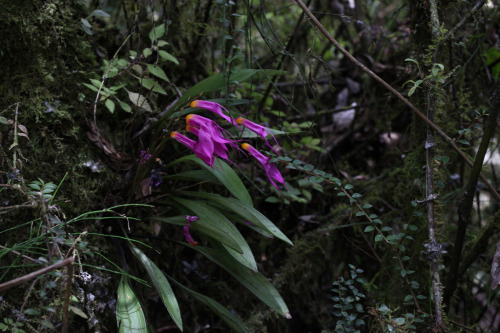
<point x="212" y="141"/>
<point x="211" y="216"/>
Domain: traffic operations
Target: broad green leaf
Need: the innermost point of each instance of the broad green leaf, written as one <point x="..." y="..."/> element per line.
<point x="244" y="210"/>
<point x="210" y="223"/>
<point x="147" y="52"/>
<point x="161" y="285"/>
<point x="231" y="320"/>
<point x="225" y="174"/>
<point x="167" y="56"/>
<point x="152" y="85"/>
<point x="160" y="31"/>
<point x="78" y="312"/>
<point x="129" y="314"/>
<point x="125" y="106"/>
<point x="244" y="256"/>
<point x="91" y="87"/>
<point x="215" y="225"/>
<point x="110" y="105"/>
<point x="86" y="23"/>
<point x="157" y="71"/>
<point x="162" y="43"/>
<point x="253" y="281"/>
<point x="139" y="101"/>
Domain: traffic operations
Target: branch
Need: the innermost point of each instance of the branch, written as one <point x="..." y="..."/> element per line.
<point x="433" y="246"/>
<point x="365" y="69"/>
<point x="27" y="277"/>
<point x="459" y="25"/>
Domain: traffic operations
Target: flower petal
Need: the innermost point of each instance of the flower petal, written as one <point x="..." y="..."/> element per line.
<point x="214" y="107"/>
<point x="272" y="171"/>
<point x="257" y="129"/>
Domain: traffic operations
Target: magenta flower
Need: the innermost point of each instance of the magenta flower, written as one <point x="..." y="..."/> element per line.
<point x="189" y="239"/>
<point x="210" y="135"/>
<point x="220" y="148"/>
<point x="215" y="108"/>
<point x="203" y="151"/>
<point x="258" y="129"/>
<point x="191" y="144"/>
<point x="270" y="168"/>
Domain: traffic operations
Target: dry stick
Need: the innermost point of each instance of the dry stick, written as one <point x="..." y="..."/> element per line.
<point x="396" y="93"/>
<point x="19" y="254"/>
<point x="434" y="248"/>
<point x="465" y="206"/>
<point x="27" y="277"/>
<point x="66" y="297"/>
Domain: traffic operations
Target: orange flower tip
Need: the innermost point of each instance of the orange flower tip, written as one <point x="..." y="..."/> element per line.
<point x="173" y="134"/>
<point x="239" y="120"/>
<point x="196" y="243"/>
<point x="245" y="146"/>
<point x="189" y="116"/>
<point x="193" y="104"/>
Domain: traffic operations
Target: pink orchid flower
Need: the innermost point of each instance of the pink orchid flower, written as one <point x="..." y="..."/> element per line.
<point x="209" y="133"/>
<point x="258" y="129"/>
<point x="189" y="239"/>
<point x="270" y="168"/>
<point x="203" y="151"/>
<point x="215" y="108"/>
<point x="220" y="148"/>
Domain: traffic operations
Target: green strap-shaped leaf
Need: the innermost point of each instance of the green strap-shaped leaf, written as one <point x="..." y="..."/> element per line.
<point x="244" y="210"/>
<point x="225" y="174"/>
<point x="215" y="225"/>
<point x="129" y="314"/>
<point x="230" y="319"/>
<point x="161" y="285"/>
<point x="253" y="281"/>
<point x="218" y="82"/>
<point x="214" y="83"/>
<point x="196" y="175"/>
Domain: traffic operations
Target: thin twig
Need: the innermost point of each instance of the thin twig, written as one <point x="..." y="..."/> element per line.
<point x="365" y="69"/>
<point x="459" y="25"/>
<point x="105" y="76"/>
<point x="27" y="277"/>
<point x="19" y="254"/>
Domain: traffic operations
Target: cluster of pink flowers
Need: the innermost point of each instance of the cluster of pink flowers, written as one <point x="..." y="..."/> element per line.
<point x="214" y="141"/>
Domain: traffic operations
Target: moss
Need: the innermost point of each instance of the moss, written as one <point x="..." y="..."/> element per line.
<point x="44" y="51"/>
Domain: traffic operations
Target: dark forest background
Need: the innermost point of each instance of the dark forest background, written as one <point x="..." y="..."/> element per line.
<point x="387" y="142"/>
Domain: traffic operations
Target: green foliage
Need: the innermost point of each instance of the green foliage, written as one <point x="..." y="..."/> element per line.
<point x="91" y="96"/>
<point x="348" y="302"/>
